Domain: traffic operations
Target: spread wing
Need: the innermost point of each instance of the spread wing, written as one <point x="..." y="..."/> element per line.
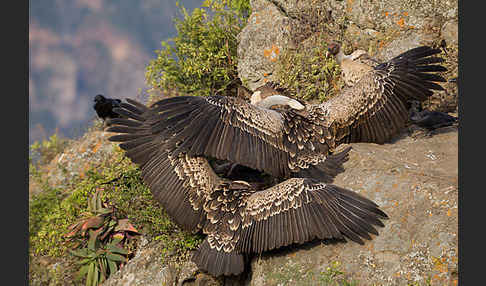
<point x="295" y="211"/>
<point x="376" y="107"/>
<point x="178" y="182"/>
<point x="231" y="129"/>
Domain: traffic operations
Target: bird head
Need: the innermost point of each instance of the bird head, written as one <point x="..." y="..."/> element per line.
<point x="333" y="49"/>
<point x="99" y="98"/>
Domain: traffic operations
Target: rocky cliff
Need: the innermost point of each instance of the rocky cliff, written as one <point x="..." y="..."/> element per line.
<point x="413" y="179"/>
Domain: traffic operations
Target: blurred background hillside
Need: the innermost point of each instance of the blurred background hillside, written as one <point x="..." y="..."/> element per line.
<point x="80" y="48"/>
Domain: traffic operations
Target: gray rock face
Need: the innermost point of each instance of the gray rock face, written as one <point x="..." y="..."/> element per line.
<point x="260" y="44"/>
<point x="383" y="14"/>
<point x="146" y="268"/>
<point x="450" y="32"/>
<point x="385" y="28"/>
<point x="415" y="182"/>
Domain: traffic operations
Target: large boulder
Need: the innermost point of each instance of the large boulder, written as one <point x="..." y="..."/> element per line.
<point x="383" y="28"/>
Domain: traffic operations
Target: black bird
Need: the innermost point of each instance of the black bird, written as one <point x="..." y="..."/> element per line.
<point x="104" y="107"/>
<point x="429" y="120"/>
<point x="432" y="120"/>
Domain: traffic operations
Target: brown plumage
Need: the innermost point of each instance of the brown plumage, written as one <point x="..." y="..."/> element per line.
<point x="293" y="142"/>
<point x="237" y="217"/>
<point x="353" y="66"/>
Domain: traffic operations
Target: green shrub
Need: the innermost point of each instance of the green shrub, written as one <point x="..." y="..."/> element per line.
<point x="53" y="211"/>
<point x="307" y="73"/>
<point x="202" y="58"/>
<point x="43" y="152"/>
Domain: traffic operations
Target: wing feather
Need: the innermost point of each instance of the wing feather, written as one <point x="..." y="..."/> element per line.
<point x="375" y="108"/>
<point x="299" y="210"/>
<point x="232" y="129"/>
<point x="179" y="183"/>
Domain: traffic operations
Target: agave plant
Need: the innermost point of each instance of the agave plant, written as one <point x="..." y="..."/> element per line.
<point x="106" y="236"/>
<point x="101" y="218"/>
<point x="99" y="261"/>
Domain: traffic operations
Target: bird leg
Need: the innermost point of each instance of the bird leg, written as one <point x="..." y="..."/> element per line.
<point x="222" y="168"/>
<point x="225" y="168"/>
<point x="232" y="167"/>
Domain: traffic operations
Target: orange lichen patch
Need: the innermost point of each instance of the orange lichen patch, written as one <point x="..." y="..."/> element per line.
<point x="265" y="80"/>
<point x="405" y="14"/>
<point x="395" y="185"/>
<point x="386" y="14"/>
<point x="271" y="53"/>
<point x="96" y="147"/>
<point x="440" y="264"/>
<point x="401" y="22"/>
<point x="449" y="213"/>
<point x="349" y="5"/>
<point x="396" y="204"/>
<point x="411" y="27"/>
<point x="454" y="282"/>
<point x="265" y="74"/>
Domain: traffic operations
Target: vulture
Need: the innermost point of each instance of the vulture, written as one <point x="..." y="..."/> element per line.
<point x="296" y="141"/>
<point x="353" y="66"/>
<point x="104" y="107"/>
<point x="238" y="217"/>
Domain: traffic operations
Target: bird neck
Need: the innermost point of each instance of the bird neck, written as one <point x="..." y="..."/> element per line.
<point x="340" y="57"/>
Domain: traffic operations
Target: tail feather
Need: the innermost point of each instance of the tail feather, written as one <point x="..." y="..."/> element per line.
<point x="216" y="262"/>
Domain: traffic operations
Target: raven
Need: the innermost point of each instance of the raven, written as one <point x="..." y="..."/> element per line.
<point x="432" y="119"/>
<point x="104" y="107"/>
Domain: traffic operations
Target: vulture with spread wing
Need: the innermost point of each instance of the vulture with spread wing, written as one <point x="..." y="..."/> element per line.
<point x="353" y="66"/>
<point x="238" y="218"/>
<point x="295" y="142"/>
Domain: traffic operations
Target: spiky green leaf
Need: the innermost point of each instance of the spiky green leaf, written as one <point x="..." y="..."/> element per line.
<point x="115" y="257"/>
<point x="112" y="265"/>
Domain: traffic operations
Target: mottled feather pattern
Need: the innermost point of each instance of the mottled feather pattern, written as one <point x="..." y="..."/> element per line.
<point x="258" y="138"/>
<point x="376" y="107"/>
<point x="237" y="218"/>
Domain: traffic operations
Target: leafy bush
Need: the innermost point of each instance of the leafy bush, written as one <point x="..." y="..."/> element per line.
<point x="308" y="74"/>
<point x="55" y="212"/>
<point x="46" y="150"/>
<point x="202" y="59"/>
